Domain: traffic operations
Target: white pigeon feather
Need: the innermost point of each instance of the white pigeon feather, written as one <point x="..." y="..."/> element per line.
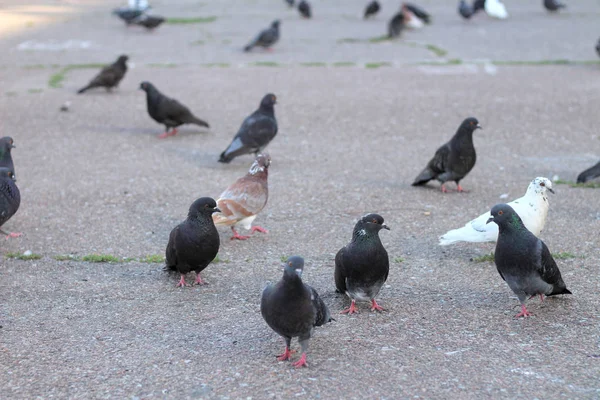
<point x="532" y="208"/>
<point x="495" y="9"/>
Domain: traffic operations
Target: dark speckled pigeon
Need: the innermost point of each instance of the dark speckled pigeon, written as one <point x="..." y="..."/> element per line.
<point x="6" y="145"/>
<point x="10" y="199"/>
<point x="523" y="260"/>
<point x="292" y="309"/>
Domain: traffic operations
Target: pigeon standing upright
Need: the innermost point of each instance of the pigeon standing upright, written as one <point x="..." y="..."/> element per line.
<point x="362" y="266"/>
<point x="495" y="9"/>
<point x="110" y="76"/>
<point x="10" y="199"/>
<point x="553" y="5"/>
<point x="532" y="208"/>
<point x="396" y="25"/>
<point x="465" y="10"/>
<point x="194" y="243"/>
<point x="168" y="111"/>
<point x="372" y="8"/>
<point x="256" y="132"/>
<point x="292" y="309"/>
<point x="148" y="21"/>
<point x="241" y="202"/>
<point x="454" y="160"/>
<point x="523" y="260"/>
<point x="6" y="145"/>
<point x="266" y="38"/>
<point x="589" y="174"/>
<point x="304" y="9"/>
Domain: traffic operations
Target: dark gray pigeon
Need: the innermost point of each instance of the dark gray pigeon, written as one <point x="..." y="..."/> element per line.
<point x="372" y="8"/>
<point x="6" y="145"/>
<point x="523" y="260"/>
<point x="168" y="111"/>
<point x="10" y="199"/>
<point x="454" y="160"/>
<point x="589" y="174"/>
<point x="265" y="38"/>
<point x="148" y="21"/>
<point x="553" y="5"/>
<point x="128" y="15"/>
<point x="194" y="243"/>
<point x="598" y="47"/>
<point x="478" y="5"/>
<point x="396" y="25"/>
<point x="110" y="76"/>
<point x="465" y="10"/>
<point x="256" y="132"/>
<point x="419" y="12"/>
<point x="304" y="9"/>
<point x="292" y="309"/>
<point x="362" y="266"/>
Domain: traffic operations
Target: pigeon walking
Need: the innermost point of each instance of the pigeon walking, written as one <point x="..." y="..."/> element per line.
<point x="454" y="160"/>
<point x="194" y="243"/>
<point x="241" y="202"/>
<point x="304" y="9"/>
<point x="265" y="38"/>
<point x="6" y="145"/>
<point x="532" y="208"/>
<point x="10" y="199"/>
<point x="418" y="12"/>
<point x="148" y="21"/>
<point x="168" y="111"/>
<point x="372" y="8"/>
<point x="495" y="9"/>
<point x="465" y="10"/>
<point x="256" y="132"/>
<point x="110" y="76"/>
<point x="128" y="15"/>
<point x="523" y="260"/>
<point x="362" y="266"/>
<point x="589" y="174"/>
<point x="553" y="5"/>
<point x="396" y="25"/>
<point x="292" y="309"/>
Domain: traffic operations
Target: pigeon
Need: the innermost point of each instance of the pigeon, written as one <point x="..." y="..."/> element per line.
<point x="6" y="146"/>
<point x="589" y="174"/>
<point x="256" y="132"/>
<point x="465" y="10"/>
<point x="372" y="8"/>
<point x="454" y="160"/>
<point x="304" y="8"/>
<point x="478" y="5"/>
<point x="598" y="47"/>
<point x="148" y="21"/>
<point x="532" y="208"/>
<point x="194" y="243"/>
<point x="495" y="9"/>
<point x="523" y="260"/>
<point x="362" y="266"/>
<point x="265" y="38"/>
<point x="127" y="14"/>
<point x="292" y="308"/>
<point x="10" y="199"/>
<point x="553" y="5"/>
<point x="418" y="12"/>
<point x="396" y="25"/>
<point x="167" y="111"/>
<point x="241" y="202"/>
<point x="290" y="3"/>
<point x="110" y="76"/>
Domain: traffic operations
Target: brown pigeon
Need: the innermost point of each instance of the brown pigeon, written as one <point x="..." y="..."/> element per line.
<point x="241" y="202"/>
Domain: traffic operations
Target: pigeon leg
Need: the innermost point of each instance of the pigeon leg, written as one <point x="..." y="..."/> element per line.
<point x="301" y="362"/>
<point x="304" y="344"/>
<point x="164" y="135"/>
<point x="460" y="189"/>
<point x="173" y="132"/>
<point x="287" y="353"/>
<point x="351" y="310"/>
<point x="182" y="282"/>
<point x="444" y="190"/>
<point x="375" y="306"/>
<point x="523" y="313"/>
<point x="199" y="280"/>
<point x="13" y="235"/>
<point x="541" y="298"/>
<point x="237" y="235"/>
<point x="258" y="228"/>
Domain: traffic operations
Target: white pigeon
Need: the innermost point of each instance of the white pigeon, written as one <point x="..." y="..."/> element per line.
<point x="495" y="9"/>
<point x="532" y="208"/>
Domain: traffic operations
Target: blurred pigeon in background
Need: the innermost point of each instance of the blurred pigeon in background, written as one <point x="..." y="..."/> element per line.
<point x="110" y="76"/>
<point x="305" y="9"/>
<point x="372" y="8"/>
<point x="553" y="5"/>
<point x="465" y="10"/>
<point x="265" y="38"/>
<point x="495" y="9"/>
<point x="396" y="25"/>
<point x="148" y="21"/>
<point x="589" y="174"/>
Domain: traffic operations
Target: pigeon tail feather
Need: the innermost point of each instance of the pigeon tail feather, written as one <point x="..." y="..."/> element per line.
<point x="425" y="176"/>
<point x="468" y="234"/>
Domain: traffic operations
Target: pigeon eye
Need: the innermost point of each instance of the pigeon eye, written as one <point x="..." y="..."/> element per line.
<point x="542" y="184"/>
<point x="374" y="221"/>
<point x="500" y="212"/>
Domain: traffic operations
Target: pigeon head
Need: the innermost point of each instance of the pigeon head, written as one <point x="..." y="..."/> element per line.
<point x="539" y="186"/>
<point x="122" y="59"/>
<point x="260" y="164"/>
<point x="6" y="143"/>
<point x="203" y="207"/>
<point x="7" y="173"/>
<point x="268" y="101"/>
<point x="147" y="87"/>
<point x="275" y="24"/>
<point x="293" y="266"/>
<point x="470" y="124"/>
<point x="505" y="217"/>
<point x="370" y="224"/>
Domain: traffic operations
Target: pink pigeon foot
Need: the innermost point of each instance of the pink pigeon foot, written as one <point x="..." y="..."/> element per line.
<point x="286" y="354"/>
<point x="444" y="190"/>
<point x="182" y="282"/>
<point x="259" y="229"/>
<point x="199" y="280"/>
<point x="524" y="312"/>
<point x="237" y="235"/>
<point x="14" y="235"/>
<point x="460" y="189"/>
<point x="350" y="310"/>
<point x="375" y="306"/>
<point x="301" y="362"/>
<point x="173" y="132"/>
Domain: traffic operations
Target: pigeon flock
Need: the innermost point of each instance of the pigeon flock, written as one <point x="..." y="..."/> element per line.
<point x="290" y="307"/>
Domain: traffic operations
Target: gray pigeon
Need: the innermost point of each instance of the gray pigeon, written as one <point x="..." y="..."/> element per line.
<point x="589" y="174"/>
<point x="304" y="9"/>
<point x="148" y="21"/>
<point x="598" y="47"/>
<point x="6" y="145"/>
<point x="194" y="243"/>
<point x="256" y="132"/>
<point x="523" y="260"/>
<point x="396" y="25"/>
<point x="465" y="10"/>
<point x="110" y="76"/>
<point x="10" y="199"/>
<point x="372" y="8"/>
<point x="292" y="309"/>
<point x="266" y="38"/>
<point x="454" y="160"/>
<point x="362" y="266"/>
<point x="553" y="5"/>
<point x="128" y="15"/>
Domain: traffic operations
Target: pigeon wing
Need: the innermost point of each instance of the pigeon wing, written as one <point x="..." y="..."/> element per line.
<point x="340" y="273"/>
<point x="171" y="253"/>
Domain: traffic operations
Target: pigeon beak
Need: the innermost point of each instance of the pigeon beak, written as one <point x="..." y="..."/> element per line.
<point x="489" y="220"/>
<point x="479" y="127"/>
<point x="12" y="146"/>
<point x="550" y="190"/>
<point x="216" y="209"/>
<point x="384" y="226"/>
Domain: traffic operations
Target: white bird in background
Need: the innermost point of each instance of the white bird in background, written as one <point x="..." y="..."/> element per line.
<point x="532" y="208"/>
<point x="495" y="9"/>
